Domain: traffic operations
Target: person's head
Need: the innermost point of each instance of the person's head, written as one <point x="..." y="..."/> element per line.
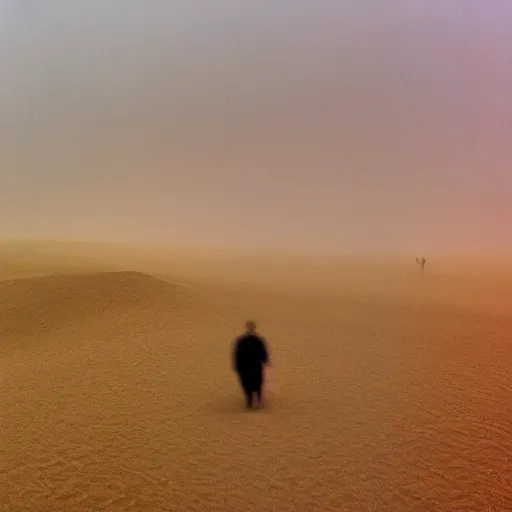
<point x="250" y="325"/>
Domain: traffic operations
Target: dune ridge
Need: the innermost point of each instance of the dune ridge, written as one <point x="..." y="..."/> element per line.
<point x="38" y="304"/>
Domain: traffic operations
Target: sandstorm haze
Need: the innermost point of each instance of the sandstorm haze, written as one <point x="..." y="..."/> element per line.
<point x="189" y="130"/>
<point x="333" y="126"/>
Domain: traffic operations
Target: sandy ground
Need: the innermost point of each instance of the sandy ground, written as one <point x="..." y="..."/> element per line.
<point x="392" y="391"/>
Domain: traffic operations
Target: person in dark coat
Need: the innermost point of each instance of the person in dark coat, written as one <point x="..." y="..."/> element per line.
<point x="250" y="355"/>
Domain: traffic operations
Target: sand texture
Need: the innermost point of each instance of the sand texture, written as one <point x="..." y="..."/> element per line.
<point x="391" y="391"/>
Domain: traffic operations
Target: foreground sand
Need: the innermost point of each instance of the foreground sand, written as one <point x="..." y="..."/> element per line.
<point x="393" y="392"/>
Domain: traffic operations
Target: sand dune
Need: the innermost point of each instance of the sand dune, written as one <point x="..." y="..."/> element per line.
<point x="36" y="305"/>
<point x="117" y="394"/>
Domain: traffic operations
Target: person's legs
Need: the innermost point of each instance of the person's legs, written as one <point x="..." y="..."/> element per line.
<point x="248" y="398"/>
<point x="245" y="381"/>
<point x="258" y="385"/>
<point x="259" y="397"/>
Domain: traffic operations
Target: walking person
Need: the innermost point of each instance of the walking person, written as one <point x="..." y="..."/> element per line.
<point x="422" y="263"/>
<point x="250" y="355"/>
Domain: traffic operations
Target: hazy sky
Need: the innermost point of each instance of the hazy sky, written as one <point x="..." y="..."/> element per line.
<point x="363" y="125"/>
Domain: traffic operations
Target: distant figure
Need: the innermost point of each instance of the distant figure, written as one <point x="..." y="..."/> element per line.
<point x="250" y="354"/>
<point x="421" y="263"/>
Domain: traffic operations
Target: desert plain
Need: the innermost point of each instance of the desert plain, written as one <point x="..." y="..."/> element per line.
<point x="391" y="389"/>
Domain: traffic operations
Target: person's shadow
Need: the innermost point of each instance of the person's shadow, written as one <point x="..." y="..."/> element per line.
<point x="234" y="403"/>
<point x="229" y="403"/>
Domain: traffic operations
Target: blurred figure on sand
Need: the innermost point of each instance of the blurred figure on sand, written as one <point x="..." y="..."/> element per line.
<point x="250" y="355"/>
<point x="421" y="263"/>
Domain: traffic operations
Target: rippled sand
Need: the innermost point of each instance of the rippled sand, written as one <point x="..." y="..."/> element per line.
<point x="393" y="391"/>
